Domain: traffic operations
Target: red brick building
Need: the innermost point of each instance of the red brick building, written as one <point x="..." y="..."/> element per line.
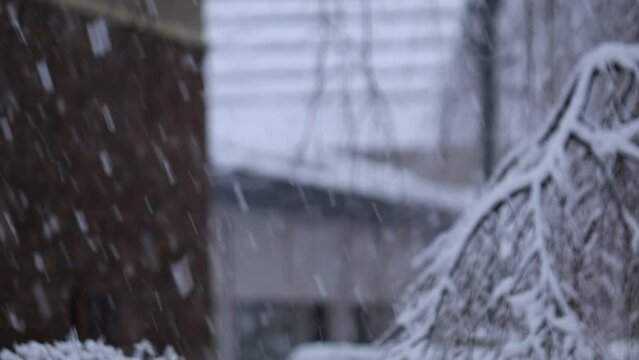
<point x="103" y="188"/>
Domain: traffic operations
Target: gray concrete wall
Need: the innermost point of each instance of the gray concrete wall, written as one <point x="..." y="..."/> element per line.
<point x="271" y="256"/>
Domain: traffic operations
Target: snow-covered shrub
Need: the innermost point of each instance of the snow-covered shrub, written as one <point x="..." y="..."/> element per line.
<point x="545" y="265"/>
<point x="73" y="349"/>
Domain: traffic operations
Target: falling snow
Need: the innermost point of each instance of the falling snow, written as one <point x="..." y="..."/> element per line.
<point x="319" y="283"/>
<point x="166" y="166"/>
<point x="151" y="7"/>
<point x="13" y="17"/>
<point x="6" y="129"/>
<point x="184" y="91"/>
<point x="81" y="221"/>
<point x="182" y="276"/>
<point x="239" y="195"/>
<point x="45" y="76"/>
<point x="105" y="160"/>
<point x="42" y="302"/>
<point x="16" y="322"/>
<point x="108" y="119"/>
<point x="98" y="32"/>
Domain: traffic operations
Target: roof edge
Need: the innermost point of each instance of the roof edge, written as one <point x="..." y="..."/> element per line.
<point x="122" y="15"/>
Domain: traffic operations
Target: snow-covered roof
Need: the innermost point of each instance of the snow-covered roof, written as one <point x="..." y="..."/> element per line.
<point x="291" y="96"/>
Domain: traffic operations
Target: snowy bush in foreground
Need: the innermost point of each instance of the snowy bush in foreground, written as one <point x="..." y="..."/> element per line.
<point x="88" y="350"/>
<point x="545" y="265"/>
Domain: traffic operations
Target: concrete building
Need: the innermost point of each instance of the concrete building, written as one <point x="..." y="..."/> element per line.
<point x="301" y="263"/>
<point x="103" y="195"/>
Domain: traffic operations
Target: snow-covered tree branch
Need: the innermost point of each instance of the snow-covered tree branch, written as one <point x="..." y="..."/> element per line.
<point x="542" y="267"/>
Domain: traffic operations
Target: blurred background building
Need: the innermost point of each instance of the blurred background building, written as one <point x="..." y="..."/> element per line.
<point x="301" y="263"/>
<point x="325" y="133"/>
<point x="104" y="193"/>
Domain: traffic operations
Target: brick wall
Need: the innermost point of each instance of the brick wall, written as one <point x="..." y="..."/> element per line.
<point x="103" y="182"/>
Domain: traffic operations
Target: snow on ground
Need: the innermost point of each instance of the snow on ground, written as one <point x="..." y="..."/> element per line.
<point x="335" y="351"/>
<point x="282" y="107"/>
<point x="618" y="350"/>
<point x="72" y="349"/>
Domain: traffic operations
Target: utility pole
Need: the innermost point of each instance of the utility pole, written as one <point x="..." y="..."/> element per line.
<point x="549" y="83"/>
<point x="485" y="11"/>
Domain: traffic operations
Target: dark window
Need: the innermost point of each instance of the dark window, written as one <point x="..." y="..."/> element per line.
<point x="101" y="316"/>
<point x="269" y="331"/>
<point x="371" y="321"/>
<point x="320" y="323"/>
<point x="93" y="314"/>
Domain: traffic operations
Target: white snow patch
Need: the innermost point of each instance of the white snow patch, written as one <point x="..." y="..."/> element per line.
<point x="334" y="171"/>
<point x="335" y="351"/>
<point x="72" y="348"/>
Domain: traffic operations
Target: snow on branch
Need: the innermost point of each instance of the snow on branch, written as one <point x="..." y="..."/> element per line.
<point x="541" y="267"/>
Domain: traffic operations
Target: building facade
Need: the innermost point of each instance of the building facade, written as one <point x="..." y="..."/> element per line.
<point x="300" y="263"/>
<point x="104" y="191"/>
